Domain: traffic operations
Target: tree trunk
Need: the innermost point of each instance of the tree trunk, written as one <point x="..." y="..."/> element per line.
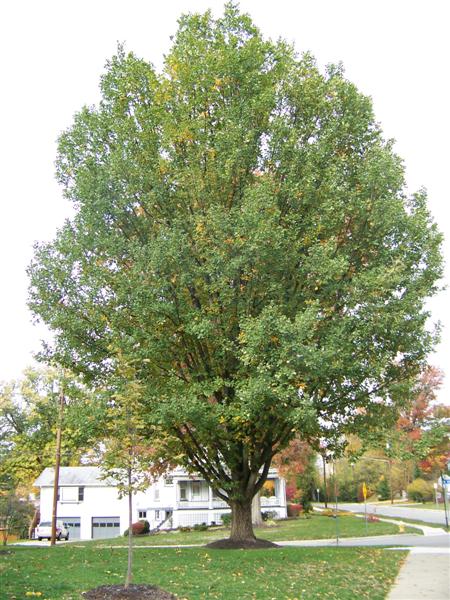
<point x="57" y="464"/>
<point x="34" y="523"/>
<point x="241" y="521"/>
<point x="129" y="575"/>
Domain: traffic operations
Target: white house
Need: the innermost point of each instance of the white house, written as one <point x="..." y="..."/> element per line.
<point x="91" y="508"/>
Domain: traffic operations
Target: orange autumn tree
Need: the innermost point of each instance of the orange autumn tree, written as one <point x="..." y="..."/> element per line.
<point x="424" y="426"/>
<point x="417" y="445"/>
<point x="297" y="465"/>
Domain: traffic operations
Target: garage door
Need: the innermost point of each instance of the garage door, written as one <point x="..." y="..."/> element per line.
<point x="105" y="527"/>
<point x="73" y="525"/>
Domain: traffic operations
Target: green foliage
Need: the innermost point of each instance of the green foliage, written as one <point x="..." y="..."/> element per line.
<point x="243" y="238"/>
<point x="306" y="503"/>
<point x="347" y="490"/>
<point x="351" y="474"/>
<point x="28" y="421"/>
<point x="383" y="489"/>
<point x="15" y="516"/>
<point x="226" y="519"/>
<point x="127" y="457"/>
<point x="307" y="482"/>
<point x="420" y="490"/>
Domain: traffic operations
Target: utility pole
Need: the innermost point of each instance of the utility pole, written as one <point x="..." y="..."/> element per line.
<point x="336" y="501"/>
<point x="390" y="481"/>
<point x="57" y="464"/>
<point x="444" y="492"/>
<point x="389" y="461"/>
<point x="325" y="491"/>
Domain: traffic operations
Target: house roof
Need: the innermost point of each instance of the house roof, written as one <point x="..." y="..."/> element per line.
<point x="93" y="476"/>
<point x="80" y="476"/>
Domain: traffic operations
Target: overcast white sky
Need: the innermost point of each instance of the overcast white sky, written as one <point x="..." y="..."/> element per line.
<point x="53" y="52"/>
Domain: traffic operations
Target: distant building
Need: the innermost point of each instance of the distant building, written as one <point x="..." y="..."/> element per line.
<point x="91" y="508"/>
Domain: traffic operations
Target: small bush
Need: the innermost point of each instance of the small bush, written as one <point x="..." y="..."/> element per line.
<point x="420" y="490"/>
<point x="184" y="529"/>
<point x="146" y="524"/>
<point x="200" y="527"/>
<point x="293" y="510"/>
<point x="269" y="515"/>
<point x="306" y="505"/>
<point x="139" y="528"/>
<point x="226" y="519"/>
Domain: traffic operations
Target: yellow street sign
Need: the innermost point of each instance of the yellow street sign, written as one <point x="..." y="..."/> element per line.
<point x="364" y="490"/>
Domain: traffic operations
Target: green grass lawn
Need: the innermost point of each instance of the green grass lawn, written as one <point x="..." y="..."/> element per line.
<point x="63" y="572"/>
<point x="317" y="527"/>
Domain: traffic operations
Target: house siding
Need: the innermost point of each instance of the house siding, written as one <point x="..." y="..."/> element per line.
<point x="166" y="504"/>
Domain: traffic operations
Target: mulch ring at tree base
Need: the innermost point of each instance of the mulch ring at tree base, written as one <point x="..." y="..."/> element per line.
<point x="132" y="592"/>
<point x="229" y="544"/>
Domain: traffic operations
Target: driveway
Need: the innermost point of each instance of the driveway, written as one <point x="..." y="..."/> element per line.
<point x="418" y="514"/>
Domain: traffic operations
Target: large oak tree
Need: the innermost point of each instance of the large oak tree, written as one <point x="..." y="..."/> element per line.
<point x="243" y="236"/>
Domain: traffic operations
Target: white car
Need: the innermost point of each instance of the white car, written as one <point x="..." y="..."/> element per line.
<point x="44" y="530"/>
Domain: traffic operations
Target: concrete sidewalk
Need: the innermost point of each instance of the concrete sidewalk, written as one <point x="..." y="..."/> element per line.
<point x="402" y="541"/>
<point x="425" y="575"/>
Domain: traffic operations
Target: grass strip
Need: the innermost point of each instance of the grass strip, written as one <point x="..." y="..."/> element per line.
<point x="317" y="527"/>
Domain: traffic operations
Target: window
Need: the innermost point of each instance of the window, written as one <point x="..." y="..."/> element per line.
<point x="142" y="514"/>
<point x="157" y="515"/>
<point x="156" y="494"/>
<point x="183" y="491"/>
<point x="69" y="494"/>
<point x="168" y="480"/>
<point x="196" y="489"/>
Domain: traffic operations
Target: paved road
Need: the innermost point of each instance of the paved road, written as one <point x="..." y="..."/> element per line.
<point x="418" y="514"/>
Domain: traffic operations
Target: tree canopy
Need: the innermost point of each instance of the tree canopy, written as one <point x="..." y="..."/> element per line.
<point x="243" y="235"/>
